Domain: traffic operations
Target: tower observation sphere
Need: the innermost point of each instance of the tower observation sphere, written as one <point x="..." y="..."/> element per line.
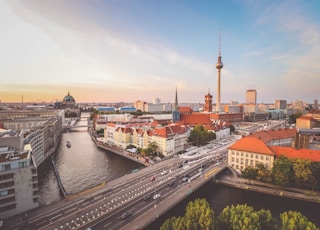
<point x="219" y="64"/>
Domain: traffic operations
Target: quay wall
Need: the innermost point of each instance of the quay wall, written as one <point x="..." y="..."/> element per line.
<point x="256" y="186"/>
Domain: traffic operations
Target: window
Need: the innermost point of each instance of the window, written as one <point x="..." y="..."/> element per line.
<point x="247" y="161"/>
<point x="6" y="167"/>
<point x="257" y="156"/>
<point x="261" y="157"/>
<point x="232" y="159"/>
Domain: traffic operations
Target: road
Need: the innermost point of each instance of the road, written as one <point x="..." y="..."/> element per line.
<point x="104" y="207"/>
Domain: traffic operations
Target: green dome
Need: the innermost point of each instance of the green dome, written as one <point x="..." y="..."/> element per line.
<point x="68" y="98"/>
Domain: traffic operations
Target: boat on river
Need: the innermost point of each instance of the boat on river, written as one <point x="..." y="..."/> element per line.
<point x="68" y="144"/>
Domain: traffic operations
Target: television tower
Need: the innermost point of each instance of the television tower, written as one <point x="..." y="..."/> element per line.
<point x="219" y="66"/>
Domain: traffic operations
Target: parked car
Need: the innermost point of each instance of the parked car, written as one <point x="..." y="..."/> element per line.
<point x="156" y="196"/>
<point x="171" y="183"/>
<point x="153" y="178"/>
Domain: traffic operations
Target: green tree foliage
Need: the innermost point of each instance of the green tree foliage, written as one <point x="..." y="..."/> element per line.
<point x="293" y="117"/>
<point x="302" y="171"/>
<point x="282" y="171"/>
<point x="250" y="173"/>
<point x="263" y="174"/>
<point x="200" y="136"/>
<point x="199" y="215"/>
<point x="314" y="180"/>
<point x="293" y="220"/>
<point x="266" y="220"/>
<point x="240" y="217"/>
<point x="173" y="223"/>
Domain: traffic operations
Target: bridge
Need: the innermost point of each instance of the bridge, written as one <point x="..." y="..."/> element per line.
<point x="103" y="206"/>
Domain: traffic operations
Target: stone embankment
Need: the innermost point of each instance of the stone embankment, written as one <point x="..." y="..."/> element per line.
<point x="252" y="185"/>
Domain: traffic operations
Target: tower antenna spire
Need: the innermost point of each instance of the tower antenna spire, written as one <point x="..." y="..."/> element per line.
<point x="220" y="44"/>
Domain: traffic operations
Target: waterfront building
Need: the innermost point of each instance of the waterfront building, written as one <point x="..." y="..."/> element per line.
<point x="251" y="96"/>
<point x="250" y="151"/>
<point x="18" y="175"/>
<point x="44" y="139"/>
<point x="264" y="146"/>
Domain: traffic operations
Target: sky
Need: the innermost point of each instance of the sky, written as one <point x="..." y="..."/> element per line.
<point x="128" y="50"/>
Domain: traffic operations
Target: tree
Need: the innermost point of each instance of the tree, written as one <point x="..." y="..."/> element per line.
<point x="244" y="217"/>
<point x="249" y="173"/>
<point x="173" y="223"/>
<point x="302" y="171"/>
<point x="200" y="136"/>
<point x="263" y="173"/>
<point x="292" y="220"/>
<point x="282" y="171"/>
<point x="238" y="217"/>
<point x="266" y="220"/>
<point x="315" y="169"/>
<point x="199" y="215"/>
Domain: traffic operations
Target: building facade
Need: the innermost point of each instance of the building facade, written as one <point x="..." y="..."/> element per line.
<point x="251" y="96"/>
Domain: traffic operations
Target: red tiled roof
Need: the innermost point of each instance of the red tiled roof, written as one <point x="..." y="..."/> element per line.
<point x="251" y="144"/>
<point x="270" y="135"/>
<point x="169" y="130"/>
<point x="185" y="110"/>
<point x="196" y="119"/>
<point x="311" y="154"/>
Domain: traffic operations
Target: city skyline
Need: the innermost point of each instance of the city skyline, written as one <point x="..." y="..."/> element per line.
<point x="112" y="51"/>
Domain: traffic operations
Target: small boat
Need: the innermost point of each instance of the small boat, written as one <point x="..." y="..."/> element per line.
<point x="68" y="144"/>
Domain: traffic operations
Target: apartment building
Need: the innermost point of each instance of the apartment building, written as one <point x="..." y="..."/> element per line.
<point x="18" y="176"/>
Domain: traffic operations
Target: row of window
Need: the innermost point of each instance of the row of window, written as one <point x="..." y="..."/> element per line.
<point x="7" y="200"/>
<point x="7" y="176"/>
<point x="6" y="184"/>
<point x="246" y="162"/>
<point x="251" y="155"/>
<point x="7" y="208"/>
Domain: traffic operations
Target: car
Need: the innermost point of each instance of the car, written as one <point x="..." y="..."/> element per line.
<point x="147" y="197"/>
<point x="171" y="183"/>
<point x="180" y="165"/>
<point x="185" y="179"/>
<point x="125" y="215"/>
<point x="153" y="178"/>
<point x="200" y="169"/>
<point x="156" y="196"/>
<point x="164" y="172"/>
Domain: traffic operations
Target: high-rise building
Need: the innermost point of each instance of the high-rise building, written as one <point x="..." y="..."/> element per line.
<point x="219" y="66"/>
<point x="315" y="104"/>
<point x="251" y="96"/>
<point x="280" y="104"/>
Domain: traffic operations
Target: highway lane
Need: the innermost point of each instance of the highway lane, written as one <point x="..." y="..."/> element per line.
<point x="107" y="205"/>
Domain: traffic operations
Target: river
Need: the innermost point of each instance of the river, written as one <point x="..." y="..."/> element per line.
<point x="83" y="165"/>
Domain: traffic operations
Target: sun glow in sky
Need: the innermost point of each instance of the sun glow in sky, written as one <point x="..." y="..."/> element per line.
<point x="129" y="50"/>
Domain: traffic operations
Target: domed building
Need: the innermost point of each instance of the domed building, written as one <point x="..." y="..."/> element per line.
<point x="68" y="101"/>
<point x="69" y="105"/>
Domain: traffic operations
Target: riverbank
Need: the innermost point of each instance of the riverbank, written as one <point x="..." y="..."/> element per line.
<point x="257" y="186"/>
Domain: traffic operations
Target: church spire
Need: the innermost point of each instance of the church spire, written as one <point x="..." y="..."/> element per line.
<point x="176" y="105"/>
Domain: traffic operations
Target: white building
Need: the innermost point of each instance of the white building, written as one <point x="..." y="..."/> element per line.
<point x="18" y="177"/>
